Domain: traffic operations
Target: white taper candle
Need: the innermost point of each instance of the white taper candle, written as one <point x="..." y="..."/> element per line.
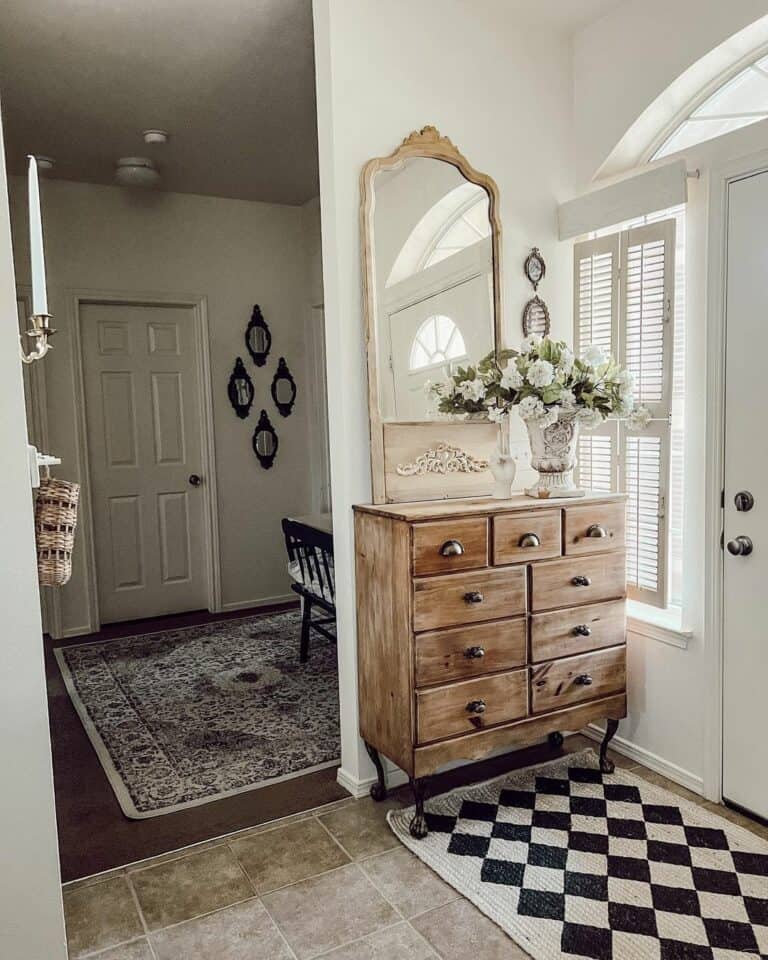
<point x="37" y="256"/>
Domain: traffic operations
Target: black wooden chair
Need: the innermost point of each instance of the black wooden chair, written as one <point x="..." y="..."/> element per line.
<point x="310" y="564"/>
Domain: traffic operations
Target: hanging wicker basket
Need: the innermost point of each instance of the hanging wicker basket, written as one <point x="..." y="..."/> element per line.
<point x="55" y="523"/>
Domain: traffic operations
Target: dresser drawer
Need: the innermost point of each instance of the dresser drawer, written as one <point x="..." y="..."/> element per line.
<point x="463" y="652"/>
<point x="561" y="683"/>
<point x="594" y="528"/>
<point x="563" y="633"/>
<point x="449" y="545"/>
<point x="471" y="705"/>
<point x="534" y="536"/>
<point x="563" y="583"/>
<point x="462" y="598"/>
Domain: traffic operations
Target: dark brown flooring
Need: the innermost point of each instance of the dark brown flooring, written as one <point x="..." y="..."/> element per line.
<point x="95" y="835"/>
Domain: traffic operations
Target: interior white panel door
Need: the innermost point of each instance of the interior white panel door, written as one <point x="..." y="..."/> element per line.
<point x="144" y="443"/>
<point x="745" y="746"/>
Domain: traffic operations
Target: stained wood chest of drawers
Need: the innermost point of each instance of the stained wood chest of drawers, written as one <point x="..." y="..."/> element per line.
<point x="486" y="623"/>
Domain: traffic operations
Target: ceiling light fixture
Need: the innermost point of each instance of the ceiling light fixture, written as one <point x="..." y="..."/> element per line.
<point x="136" y="172"/>
<point x="155" y="136"/>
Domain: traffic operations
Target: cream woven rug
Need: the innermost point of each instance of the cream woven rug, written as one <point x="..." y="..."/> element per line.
<point x="574" y="863"/>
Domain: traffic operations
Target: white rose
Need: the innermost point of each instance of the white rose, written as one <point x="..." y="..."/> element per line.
<point x="472" y="389"/>
<point x="540" y="373"/>
<point x="530" y="407"/>
<point x="593" y="355"/>
<point x="639" y="418"/>
<point x="530" y="343"/>
<point x="549" y="417"/>
<point x="511" y="378"/>
<point x="567" y="399"/>
<point x="566" y="361"/>
<point x="589" y="418"/>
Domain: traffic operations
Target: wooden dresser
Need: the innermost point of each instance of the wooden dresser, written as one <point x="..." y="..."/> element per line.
<point x="487" y="623"/>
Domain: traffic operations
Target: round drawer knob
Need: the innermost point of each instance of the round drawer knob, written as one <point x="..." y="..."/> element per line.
<point x="474" y="653"/>
<point x="581" y="581"/>
<point x="452" y="548"/>
<point x="474" y="596"/>
<point x="529" y="540"/>
<point x="476" y="706"/>
<point x="583" y="680"/>
<point x="597" y="531"/>
<point x="582" y="630"/>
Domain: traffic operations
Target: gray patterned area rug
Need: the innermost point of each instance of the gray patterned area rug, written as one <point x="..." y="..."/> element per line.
<point x="186" y="716"/>
<point x="574" y="863"/>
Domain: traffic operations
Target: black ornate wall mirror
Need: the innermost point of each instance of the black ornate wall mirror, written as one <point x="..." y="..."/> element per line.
<point x="283" y="388"/>
<point x="240" y="390"/>
<point x="265" y="441"/>
<point x="258" y="338"/>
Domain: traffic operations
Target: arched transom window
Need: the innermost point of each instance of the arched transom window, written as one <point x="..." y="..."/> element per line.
<point x="437" y="341"/>
<point x="741" y="100"/>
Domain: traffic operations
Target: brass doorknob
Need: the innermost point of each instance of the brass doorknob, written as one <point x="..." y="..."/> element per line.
<point x="740" y="547"/>
<point x="452" y="548"/>
<point x="529" y="540"/>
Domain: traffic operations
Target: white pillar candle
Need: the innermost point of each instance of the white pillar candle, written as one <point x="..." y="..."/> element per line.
<point x="37" y="256"/>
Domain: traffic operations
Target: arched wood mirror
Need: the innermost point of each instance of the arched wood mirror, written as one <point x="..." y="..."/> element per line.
<point x="431" y="241"/>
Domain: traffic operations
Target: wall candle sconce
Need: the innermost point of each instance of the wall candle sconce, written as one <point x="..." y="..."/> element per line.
<point x="41" y="330"/>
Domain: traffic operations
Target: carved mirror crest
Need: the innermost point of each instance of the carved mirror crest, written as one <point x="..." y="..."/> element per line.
<point x="258" y="338"/>
<point x="240" y="390"/>
<point x="265" y="441"/>
<point x="431" y="241"/>
<point x="283" y="388"/>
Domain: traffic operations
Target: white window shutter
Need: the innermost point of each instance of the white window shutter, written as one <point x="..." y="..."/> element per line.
<point x="596" y="317"/>
<point x="596" y="313"/>
<point x="646" y="340"/>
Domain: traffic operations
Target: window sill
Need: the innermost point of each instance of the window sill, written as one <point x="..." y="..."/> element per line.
<point x="662" y="625"/>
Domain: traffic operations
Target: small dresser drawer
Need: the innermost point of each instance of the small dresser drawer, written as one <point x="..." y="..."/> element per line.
<point x="471" y="705"/>
<point x="464" y="652"/>
<point x="450" y="545"/>
<point x="594" y="528"/>
<point x="561" y="683"/>
<point x="563" y="583"/>
<point x="463" y="598"/>
<point x="534" y="536"/>
<point x="563" y="633"/>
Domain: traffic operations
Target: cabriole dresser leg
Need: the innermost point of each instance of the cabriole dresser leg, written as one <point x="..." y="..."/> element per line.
<point x="418" y="824"/>
<point x="606" y="765"/>
<point x="378" y="789"/>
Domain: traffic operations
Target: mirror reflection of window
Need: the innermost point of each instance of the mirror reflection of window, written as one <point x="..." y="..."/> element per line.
<point x="437" y="341"/>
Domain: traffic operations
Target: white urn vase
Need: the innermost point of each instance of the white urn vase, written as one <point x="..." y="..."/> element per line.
<point x="553" y="456"/>
<point x="503" y="465"/>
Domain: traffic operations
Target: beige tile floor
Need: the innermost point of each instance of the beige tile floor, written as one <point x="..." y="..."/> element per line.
<point x="331" y="883"/>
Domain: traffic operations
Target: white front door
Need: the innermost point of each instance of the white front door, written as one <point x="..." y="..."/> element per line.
<point x="745" y="712"/>
<point x="143" y="412"/>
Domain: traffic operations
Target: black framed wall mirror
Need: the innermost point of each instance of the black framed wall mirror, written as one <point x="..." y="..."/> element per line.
<point x="240" y="390"/>
<point x="258" y="337"/>
<point x="283" y="388"/>
<point x="265" y="442"/>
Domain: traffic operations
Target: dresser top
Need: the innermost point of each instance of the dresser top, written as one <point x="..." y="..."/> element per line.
<point x="477" y="506"/>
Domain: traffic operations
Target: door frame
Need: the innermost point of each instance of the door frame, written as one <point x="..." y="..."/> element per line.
<point x="199" y="309"/>
<point x="721" y="176"/>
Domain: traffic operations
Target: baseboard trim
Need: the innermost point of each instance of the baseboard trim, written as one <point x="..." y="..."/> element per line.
<point x="261" y="602"/>
<point x="651" y="760"/>
<point x="361" y="788"/>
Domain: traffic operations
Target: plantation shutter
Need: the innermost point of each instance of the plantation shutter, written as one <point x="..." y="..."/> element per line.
<point x="647" y="307"/>
<point x="596" y="317"/>
<point x="624" y="288"/>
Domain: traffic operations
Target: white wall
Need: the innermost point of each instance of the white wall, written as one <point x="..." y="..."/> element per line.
<point x="623" y="61"/>
<point x="502" y="94"/>
<point x="234" y="253"/>
<point x="31" y="918"/>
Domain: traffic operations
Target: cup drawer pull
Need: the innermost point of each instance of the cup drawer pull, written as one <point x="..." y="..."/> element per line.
<point x="581" y="581"/>
<point x="597" y="532"/>
<point x="474" y="596"/>
<point x="476" y="706"/>
<point x="529" y="540"/>
<point x="582" y="630"/>
<point x="583" y="680"/>
<point x="452" y="548"/>
<point x="474" y="653"/>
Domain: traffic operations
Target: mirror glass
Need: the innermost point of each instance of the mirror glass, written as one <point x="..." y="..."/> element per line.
<point x="257" y="339"/>
<point x="265" y="443"/>
<point x="433" y="281"/>
<point x="284" y="391"/>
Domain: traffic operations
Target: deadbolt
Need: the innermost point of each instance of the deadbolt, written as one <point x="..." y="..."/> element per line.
<point x="740" y="547"/>
<point x="744" y="501"/>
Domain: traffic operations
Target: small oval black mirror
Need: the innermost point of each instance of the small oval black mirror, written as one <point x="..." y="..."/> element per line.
<point x="283" y="388"/>
<point x="240" y="390"/>
<point x="265" y="441"/>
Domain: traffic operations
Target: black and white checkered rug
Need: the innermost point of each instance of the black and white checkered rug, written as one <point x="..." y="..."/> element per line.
<point x="574" y="863"/>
